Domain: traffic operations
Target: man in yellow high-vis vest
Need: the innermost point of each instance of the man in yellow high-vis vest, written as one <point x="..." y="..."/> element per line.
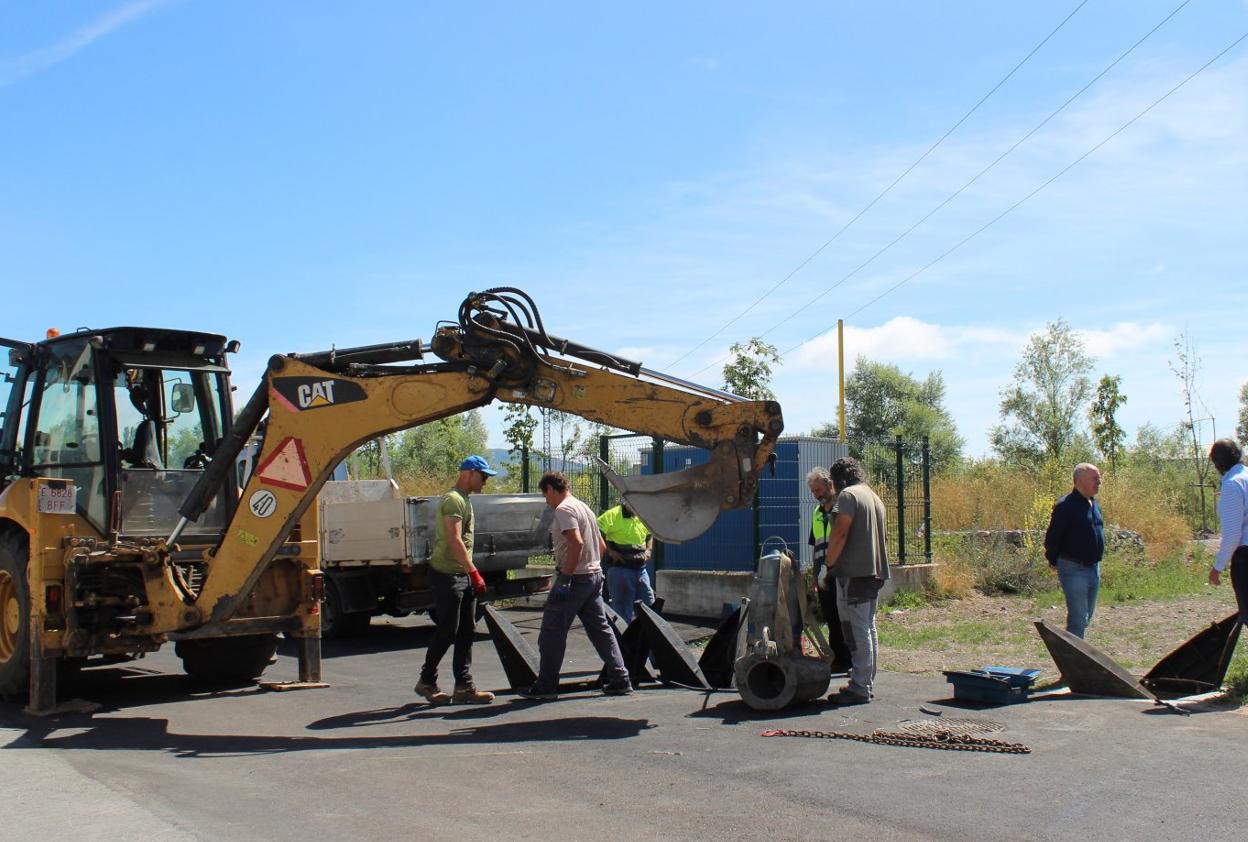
<point x="819" y="481"/>
<point x="629" y="546"/>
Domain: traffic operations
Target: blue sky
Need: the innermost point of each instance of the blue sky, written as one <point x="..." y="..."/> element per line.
<point x="301" y="175"/>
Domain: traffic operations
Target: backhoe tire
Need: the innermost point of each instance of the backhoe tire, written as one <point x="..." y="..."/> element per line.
<point x="227" y="659"/>
<point x="14" y="617"/>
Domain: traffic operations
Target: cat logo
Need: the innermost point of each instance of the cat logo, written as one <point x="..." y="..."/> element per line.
<point x="300" y="393"/>
<point x="316" y="394"/>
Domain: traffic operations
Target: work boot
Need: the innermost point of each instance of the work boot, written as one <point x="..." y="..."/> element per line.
<point x="468" y="694"/>
<point x="538" y="693"/>
<point x="623" y="688"/>
<point x="845" y="696"/>
<point x="432" y="692"/>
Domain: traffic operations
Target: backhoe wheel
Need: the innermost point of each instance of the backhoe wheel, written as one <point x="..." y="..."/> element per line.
<point x="14" y="618"/>
<point x="227" y="659"/>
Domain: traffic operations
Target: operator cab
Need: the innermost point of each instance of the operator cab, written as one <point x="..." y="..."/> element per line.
<point x="129" y="415"/>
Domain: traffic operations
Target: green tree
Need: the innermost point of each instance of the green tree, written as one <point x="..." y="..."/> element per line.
<point x="748" y="372"/>
<point x="1106" y="432"/>
<point x="519" y="427"/>
<point x="436" y="449"/>
<point x="1186" y="365"/>
<point x="882" y="401"/>
<point x="1040" y="412"/>
<point x="566" y="434"/>
<point x="1241" y="428"/>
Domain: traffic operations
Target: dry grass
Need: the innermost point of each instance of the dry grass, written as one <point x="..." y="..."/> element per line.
<point x="994" y="497"/>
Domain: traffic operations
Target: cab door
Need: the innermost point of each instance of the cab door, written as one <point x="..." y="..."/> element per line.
<point x="14" y="398"/>
<point x="65" y="438"/>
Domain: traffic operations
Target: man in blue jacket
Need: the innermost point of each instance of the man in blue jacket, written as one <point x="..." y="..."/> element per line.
<point x="1074" y="544"/>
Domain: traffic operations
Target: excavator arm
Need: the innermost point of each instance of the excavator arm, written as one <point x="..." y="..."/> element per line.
<point x="318" y="408"/>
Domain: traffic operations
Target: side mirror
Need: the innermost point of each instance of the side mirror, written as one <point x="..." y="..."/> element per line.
<point x="183" y="398"/>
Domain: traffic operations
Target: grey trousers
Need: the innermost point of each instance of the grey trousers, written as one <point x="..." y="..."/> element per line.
<point x="585" y="603"/>
<point x="856" y="601"/>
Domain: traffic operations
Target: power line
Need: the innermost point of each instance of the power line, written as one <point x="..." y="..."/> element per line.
<point x="1012" y="207"/>
<point x="881" y="251"/>
<point x="885" y="191"/>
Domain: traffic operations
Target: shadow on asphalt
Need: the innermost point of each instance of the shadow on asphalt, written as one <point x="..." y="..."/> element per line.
<point x="378" y="638"/>
<point x="119" y="688"/>
<point x="415" y="711"/>
<point x="1171" y="709"/>
<point x="734" y="711"/>
<point x="152" y="734"/>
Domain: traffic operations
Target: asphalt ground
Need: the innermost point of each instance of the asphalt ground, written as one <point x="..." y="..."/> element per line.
<point x="164" y="759"/>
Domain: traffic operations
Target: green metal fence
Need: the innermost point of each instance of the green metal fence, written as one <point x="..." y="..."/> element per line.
<point x="900" y="472"/>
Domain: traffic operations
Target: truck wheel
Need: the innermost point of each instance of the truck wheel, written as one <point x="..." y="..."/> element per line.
<point x="334" y="623"/>
<point x="227" y="659"/>
<point x="14" y="618"/>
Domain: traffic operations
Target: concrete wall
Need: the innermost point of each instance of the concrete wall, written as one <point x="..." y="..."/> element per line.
<point x="701" y="593"/>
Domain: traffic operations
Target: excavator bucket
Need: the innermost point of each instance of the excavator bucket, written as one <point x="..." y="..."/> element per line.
<point x="681" y="505"/>
<point x="1086" y="669"/>
<point x="1199" y="665"/>
<point x="520" y="662"/>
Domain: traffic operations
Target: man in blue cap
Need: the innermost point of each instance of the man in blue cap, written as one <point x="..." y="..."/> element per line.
<point x="456" y="583"/>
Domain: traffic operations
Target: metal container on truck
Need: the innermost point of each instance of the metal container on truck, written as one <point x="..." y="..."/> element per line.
<point x="376" y="546"/>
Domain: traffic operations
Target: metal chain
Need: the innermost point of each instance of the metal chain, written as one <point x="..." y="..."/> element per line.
<point x="944" y="740"/>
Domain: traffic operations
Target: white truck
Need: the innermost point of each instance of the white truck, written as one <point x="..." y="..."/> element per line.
<point x="376" y="543"/>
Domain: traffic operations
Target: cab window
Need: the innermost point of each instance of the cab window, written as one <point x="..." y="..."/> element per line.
<point x="66" y="439"/>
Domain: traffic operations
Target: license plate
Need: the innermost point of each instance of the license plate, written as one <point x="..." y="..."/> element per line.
<point x="58" y="501"/>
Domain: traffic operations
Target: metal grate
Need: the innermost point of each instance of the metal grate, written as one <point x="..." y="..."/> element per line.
<point x="961" y="727"/>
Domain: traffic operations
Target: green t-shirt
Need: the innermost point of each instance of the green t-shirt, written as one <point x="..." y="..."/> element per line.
<point x="454" y="504"/>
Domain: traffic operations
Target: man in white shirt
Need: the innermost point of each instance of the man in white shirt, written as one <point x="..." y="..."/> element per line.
<point x="1233" y="514"/>
<point x="578" y="548"/>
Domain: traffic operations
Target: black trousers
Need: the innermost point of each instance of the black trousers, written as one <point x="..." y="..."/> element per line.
<point x="836" y="635"/>
<point x="455" y="604"/>
<point x="1239" y="581"/>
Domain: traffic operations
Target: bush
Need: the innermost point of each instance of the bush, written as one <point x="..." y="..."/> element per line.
<point x="992" y="562"/>
<point x="954" y="576"/>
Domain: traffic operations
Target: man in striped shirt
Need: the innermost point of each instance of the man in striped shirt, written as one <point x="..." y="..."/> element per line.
<point x="1233" y="514"/>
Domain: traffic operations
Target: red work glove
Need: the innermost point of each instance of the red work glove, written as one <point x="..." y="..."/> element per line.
<point x="478" y="583"/>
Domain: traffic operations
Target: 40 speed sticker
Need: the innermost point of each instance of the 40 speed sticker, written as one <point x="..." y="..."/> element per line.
<point x="263" y="503"/>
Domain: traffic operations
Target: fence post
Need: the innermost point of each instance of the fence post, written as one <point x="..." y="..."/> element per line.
<point x="524" y="468"/>
<point x="656" y="467"/>
<point x="901" y="504"/>
<point x="927" y="500"/>
<point x="604" y="487"/>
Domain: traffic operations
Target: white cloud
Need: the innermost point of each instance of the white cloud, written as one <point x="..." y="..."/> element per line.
<point x="27" y="64"/>
<point x="906" y="339"/>
<point x="1125" y="337"/>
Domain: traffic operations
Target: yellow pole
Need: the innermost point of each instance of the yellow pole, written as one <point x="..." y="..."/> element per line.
<point x="840" y="369"/>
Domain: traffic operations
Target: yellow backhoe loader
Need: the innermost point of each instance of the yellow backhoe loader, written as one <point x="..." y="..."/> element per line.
<point x="123" y="526"/>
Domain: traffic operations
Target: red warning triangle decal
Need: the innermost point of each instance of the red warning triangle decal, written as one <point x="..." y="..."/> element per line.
<point x="286" y="466"/>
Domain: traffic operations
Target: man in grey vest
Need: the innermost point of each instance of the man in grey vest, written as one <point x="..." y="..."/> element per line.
<point x="857" y="559"/>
